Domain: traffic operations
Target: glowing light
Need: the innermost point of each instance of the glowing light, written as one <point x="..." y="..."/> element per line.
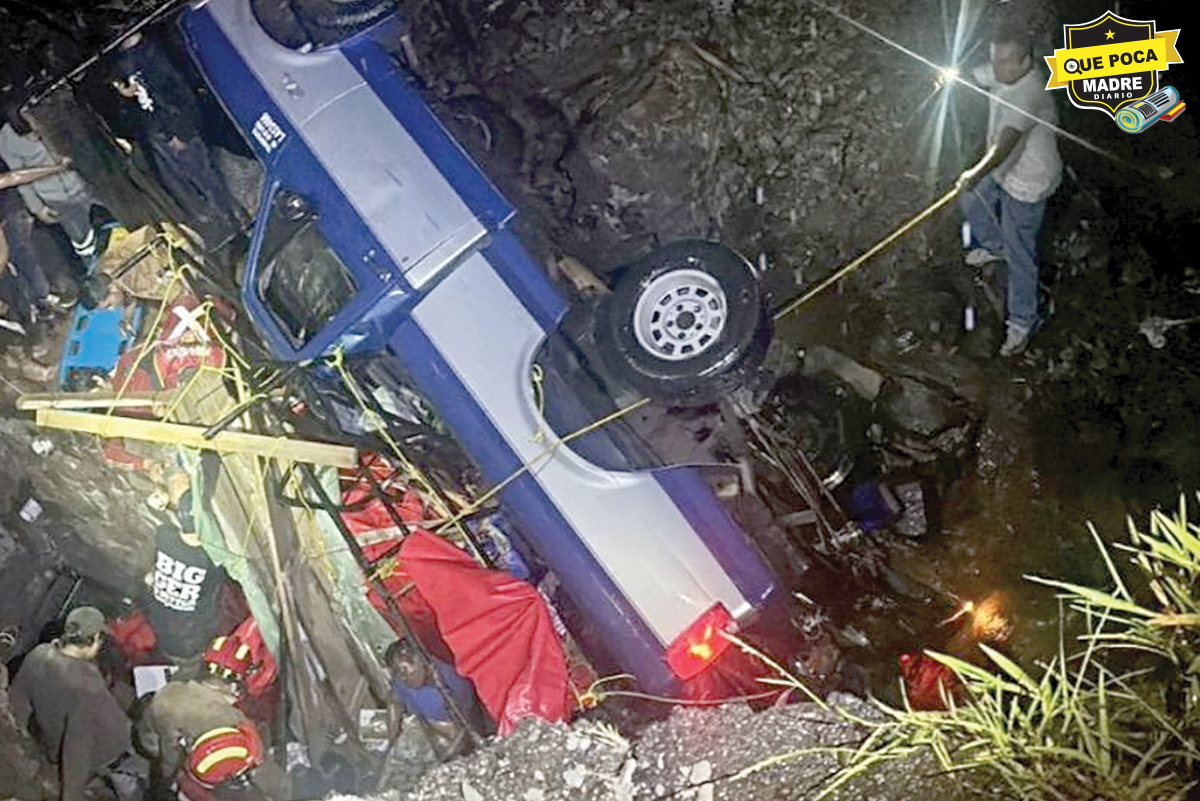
<point x="967" y="16"/>
<point x="701" y="643"/>
<point x="703" y="650"/>
<point x="947" y="75"/>
<point x="989" y="621"/>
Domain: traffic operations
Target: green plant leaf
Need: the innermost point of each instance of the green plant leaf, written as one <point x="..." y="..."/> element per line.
<point x="1104" y="753"/>
<point x="966" y="671"/>
<point x="1010" y="667"/>
<point x="1101" y="599"/>
<point x="1112" y="569"/>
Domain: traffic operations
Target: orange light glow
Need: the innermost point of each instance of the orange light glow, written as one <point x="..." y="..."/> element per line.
<point x="989" y="619"/>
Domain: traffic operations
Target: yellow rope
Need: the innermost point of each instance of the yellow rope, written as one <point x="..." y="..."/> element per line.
<point x="545" y="454"/>
<point x="337" y="361"/>
<point x="858" y="262"/>
<point x="594" y="695"/>
<point x="149" y="342"/>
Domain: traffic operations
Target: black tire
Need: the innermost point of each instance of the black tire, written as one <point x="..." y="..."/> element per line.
<point x="666" y="351"/>
<point x="330" y="21"/>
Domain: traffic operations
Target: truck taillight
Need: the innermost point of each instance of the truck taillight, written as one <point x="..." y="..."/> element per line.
<point x="701" y="643"/>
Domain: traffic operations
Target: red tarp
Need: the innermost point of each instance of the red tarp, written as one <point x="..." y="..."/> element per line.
<point x="183" y="342"/>
<point x="498" y="628"/>
<point x="492" y="627"/>
<point x="366" y="514"/>
<point x="929" y="683"/>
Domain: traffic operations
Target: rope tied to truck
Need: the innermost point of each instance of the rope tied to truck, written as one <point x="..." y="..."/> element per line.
<point x="959" y="186"/>
<point x="337" y="361"/>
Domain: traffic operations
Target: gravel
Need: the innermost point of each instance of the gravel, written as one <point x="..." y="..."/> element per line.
<point x="706" y="754"/>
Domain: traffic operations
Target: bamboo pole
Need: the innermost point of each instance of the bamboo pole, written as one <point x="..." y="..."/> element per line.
<point x="193" y="437"/>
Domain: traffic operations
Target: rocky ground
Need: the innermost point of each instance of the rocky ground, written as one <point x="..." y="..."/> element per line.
<point x="703" y="754"/>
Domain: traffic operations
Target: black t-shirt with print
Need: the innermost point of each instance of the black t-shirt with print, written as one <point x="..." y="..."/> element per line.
<point x="182" y="605"/>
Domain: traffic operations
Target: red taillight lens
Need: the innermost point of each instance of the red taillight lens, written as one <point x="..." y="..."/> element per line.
<point x="701" y="644"/>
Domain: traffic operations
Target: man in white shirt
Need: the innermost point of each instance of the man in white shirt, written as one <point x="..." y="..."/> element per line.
<point x="61" y="198"/>
<point x="1004" y="195"/>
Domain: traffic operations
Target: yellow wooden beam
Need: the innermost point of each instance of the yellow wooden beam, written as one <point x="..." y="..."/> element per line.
<point x="193" y="437"/>
<point x="94" y="400"/>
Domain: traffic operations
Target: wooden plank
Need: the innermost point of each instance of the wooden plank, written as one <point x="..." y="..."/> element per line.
<point x="193" y="437"/>
<point x="94" y="400"/>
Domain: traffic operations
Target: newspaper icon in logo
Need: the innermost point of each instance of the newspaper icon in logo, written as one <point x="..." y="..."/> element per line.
<point x="1162" y="105"/>
<point x="1111" y="64"/>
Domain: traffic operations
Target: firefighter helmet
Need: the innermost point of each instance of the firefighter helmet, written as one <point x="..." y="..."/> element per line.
<point x="224" y="754"/>
<point x="229" y="658"/>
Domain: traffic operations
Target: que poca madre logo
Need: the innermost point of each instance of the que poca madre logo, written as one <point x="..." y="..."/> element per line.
<point x="1111" y="64"/>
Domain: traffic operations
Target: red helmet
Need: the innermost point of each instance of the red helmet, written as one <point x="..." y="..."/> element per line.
<point x="224" y="754"/>
<point x="229" y="658"/>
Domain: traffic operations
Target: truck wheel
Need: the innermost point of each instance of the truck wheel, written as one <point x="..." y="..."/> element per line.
<point x="686" y="325"/>
<point x="329" y="21"/>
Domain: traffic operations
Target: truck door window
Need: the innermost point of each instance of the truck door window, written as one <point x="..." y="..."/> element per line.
<point x="303" y="282"/>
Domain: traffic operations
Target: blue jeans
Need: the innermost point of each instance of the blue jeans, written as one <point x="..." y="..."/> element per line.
<point x="25" y="285"/>
<point x="75" y="218"/>
<point x="1005" y="225"/>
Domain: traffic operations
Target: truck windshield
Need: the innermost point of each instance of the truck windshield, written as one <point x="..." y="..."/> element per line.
<point x="303" y="283"/>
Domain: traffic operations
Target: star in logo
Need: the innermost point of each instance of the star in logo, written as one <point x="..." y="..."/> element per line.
<point x="1108" y="34"/>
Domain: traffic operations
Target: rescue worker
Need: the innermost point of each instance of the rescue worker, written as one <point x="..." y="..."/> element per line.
<point x="192" y="728"/>
<point x="1005" y="194"/>
<point x="415" y="686"/>
<point x="162" y="108"/>
<point x="62" y="198"/>
<point x="81" y="726"/>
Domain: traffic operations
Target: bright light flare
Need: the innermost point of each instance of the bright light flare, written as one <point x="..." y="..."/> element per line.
<point x="990" y="621"/>
<point x="987" y="620"/>
<point x="947" y="76"/>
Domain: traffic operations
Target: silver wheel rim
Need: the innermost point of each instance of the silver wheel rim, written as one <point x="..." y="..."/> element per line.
<point x="680" y="315"/>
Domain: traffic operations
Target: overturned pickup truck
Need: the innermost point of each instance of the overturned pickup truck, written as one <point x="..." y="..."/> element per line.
<point x="378" y="236"/>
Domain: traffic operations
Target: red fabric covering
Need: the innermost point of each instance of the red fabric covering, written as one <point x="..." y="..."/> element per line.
<point x="115" y="454"/>
<point x="183" y="342"/>
<point x="498" y="628"/>
<point x="457" y="608"/>
<point x="367" y="515"/>
<point x="417" y="612"/>
<point x="379" y="538"/>
<point x="179" y="347"/>
<point x="928" y="682"/>
<point x="134" y="637"/>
